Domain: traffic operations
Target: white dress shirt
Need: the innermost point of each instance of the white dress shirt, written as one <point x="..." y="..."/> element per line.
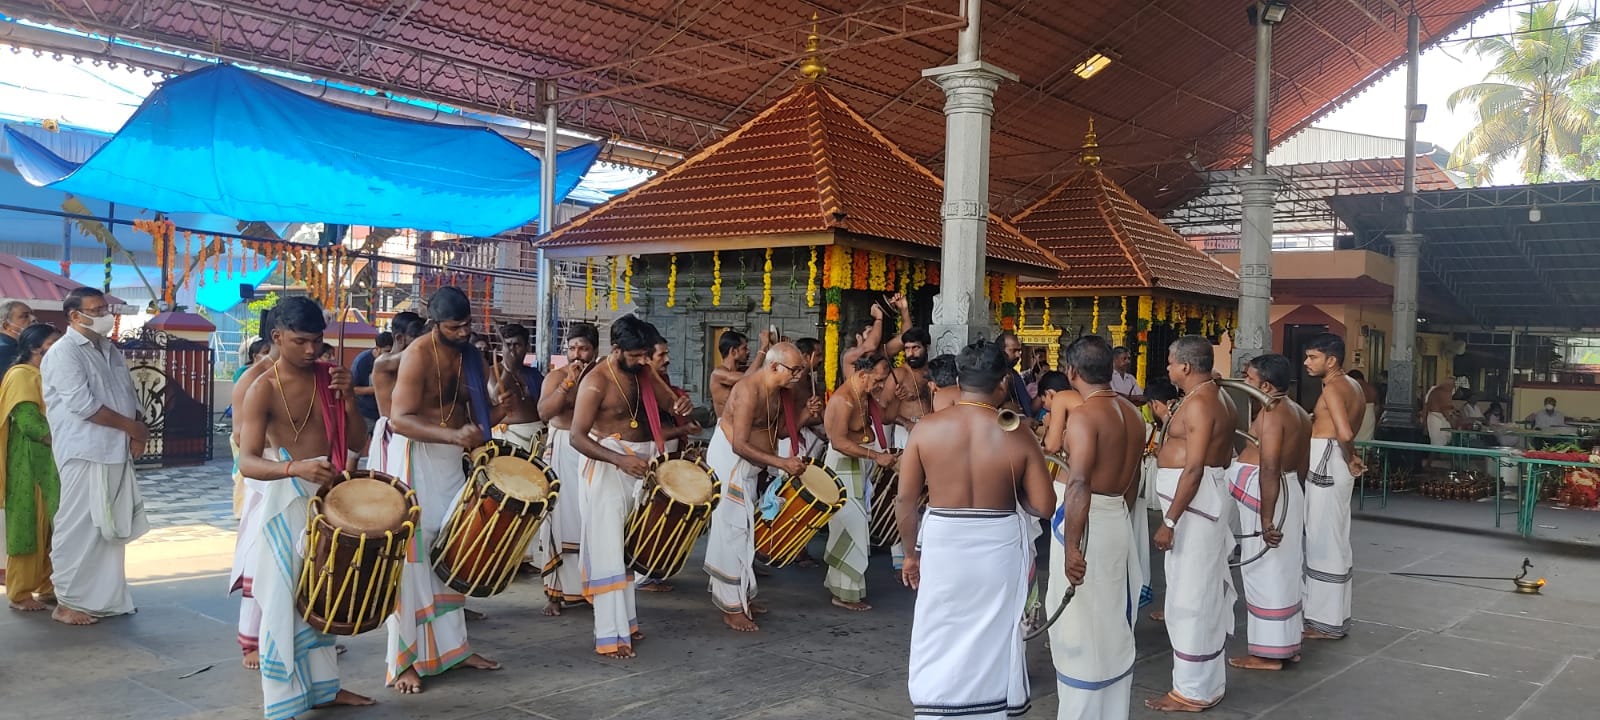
<point x="78" y="380"/>
<point x="1125" y="384"/>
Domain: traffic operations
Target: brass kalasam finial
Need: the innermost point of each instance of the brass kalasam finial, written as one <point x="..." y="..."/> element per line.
<point x="812" y="67"/>
<point x="1091" y="148"/>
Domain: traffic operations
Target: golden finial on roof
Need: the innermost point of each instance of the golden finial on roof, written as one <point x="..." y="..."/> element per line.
<point x="812" y="68"/>
<point x="1091" y="148"/>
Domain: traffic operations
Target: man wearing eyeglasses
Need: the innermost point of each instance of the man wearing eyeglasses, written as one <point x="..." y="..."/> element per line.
<point x="15" y="315"/>
<point x="97" y="433"/>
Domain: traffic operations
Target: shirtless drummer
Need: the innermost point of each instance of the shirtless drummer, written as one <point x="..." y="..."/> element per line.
<point x="561" y="535"/>
<point x="745" y="442"/>
<point x="406" y="327"/>
<point x="1333" y="469"/>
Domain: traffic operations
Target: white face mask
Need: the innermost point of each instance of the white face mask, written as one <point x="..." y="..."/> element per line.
<point x="1550" y="408"/>
<point x="102" y="325"/>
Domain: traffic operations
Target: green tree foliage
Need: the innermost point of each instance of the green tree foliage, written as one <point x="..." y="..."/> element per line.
<point x="252" y="323"/>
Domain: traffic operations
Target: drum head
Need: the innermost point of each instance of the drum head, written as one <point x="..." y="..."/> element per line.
<point x="364" y="505"/>
<point x="518" y="478"/>
<point x="684" y="482"/>
<point x="821" y="485"/>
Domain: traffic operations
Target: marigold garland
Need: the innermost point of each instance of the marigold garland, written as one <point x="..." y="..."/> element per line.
<point x="859" y="271"/>
<point x="877" y="271"/>
<point x="588" y="284"/>
<point x="627" y="279"/>
<point x="611" y="283"/>
<point x="672" y="280"/>
<point x="894" y="273"/>
<point x="811" y="278"/>
<point x="716" y="277"/>
<point x="932" y="277"/>
<point x="1094" y="320"/>
<point x="766" y="283"/>
<point x="904" y="274"/>
<point x="830" y="337"/>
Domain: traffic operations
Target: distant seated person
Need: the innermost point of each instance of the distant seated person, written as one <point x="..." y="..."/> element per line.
<point x="1495" y="415"/>
<point x="1469" y="409"/>
<point x="1548" y="418"/>
<point x="1438" y="414"/>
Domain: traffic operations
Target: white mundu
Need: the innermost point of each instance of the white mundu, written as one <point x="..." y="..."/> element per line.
<point x="1329" y="560"/>
<point x="1273" y="581"/>
<point x="1200" y="594"/>
<point x="731" y="548"/>
<point x="1091" y="643"/>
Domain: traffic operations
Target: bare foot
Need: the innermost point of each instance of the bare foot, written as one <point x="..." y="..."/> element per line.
<point x="473" y="614"/>
<point x="252" y="660"/>
<point x="656" y="586"/>
<point x="527" y="568"/>
<point x="762" y="570"/>
<point x="851" y="606"/>
<point x="739" y="622"/>
<point x="345" y="697"/>
<point x="805" y="561"/>
<point x="637" y="636"/>
<point x="1310" y="634"/>
<point x="409" y="682"/>
<point x="1171" y="702"/>
<point x="1159" y="616"/>
<point x="479" y="662"/>
<point x="28" y="604"/>
<point x="552" y="608"/>
<point x="621" y="653"/>
<point x="63" y="614"/>
<point x="758" y="609"/>
<point x="1251" y="662"/>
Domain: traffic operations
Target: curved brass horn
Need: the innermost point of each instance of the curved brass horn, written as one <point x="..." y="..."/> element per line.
<point x="1255" y="393"/>
<point x="1009" y="419"/>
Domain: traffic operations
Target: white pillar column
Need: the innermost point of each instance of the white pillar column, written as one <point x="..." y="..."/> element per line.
<point x="961" y="310"/>
<point x="1253" y="336"/>
<point x="1399" y="407"/>
<point x="544" y="324"/>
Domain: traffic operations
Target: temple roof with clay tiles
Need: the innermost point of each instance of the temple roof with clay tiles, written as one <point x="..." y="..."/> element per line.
<point x="808" y="170"/>
<point x="1112" y="243"/>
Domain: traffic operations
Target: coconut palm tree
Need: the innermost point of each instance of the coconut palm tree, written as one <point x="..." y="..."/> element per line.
<point x="1525" y="105"/>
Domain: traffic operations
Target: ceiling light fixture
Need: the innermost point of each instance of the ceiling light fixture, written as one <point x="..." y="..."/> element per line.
<point x="1535" y="214"/>
<point x="1092" y="66"/>
<point x="1273" y="11"/>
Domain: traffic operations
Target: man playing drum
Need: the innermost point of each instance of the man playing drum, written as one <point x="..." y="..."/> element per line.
<point x="1333" y="469"/>
<point x="562" y="532"/>
<point x="905" y="397"/>
<point x="966" y="633"/>
<point x="1264" y="478"/>
<point x="281" y="416"/>
<point x="746" y="441"/>
<point x="242" y="578"/>
<point x="1195" y="532"/>
<point x="440" y="410"/>
<point x="855" y="446"/>
<point x="734" y="348"/>
<point x="612" y="427"/>
<point x="522" y="421"/>
<point x="1092" y="642"/>
<point x="406" y="327"/>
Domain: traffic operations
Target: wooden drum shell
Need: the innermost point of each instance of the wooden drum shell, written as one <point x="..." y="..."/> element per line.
<point x="482" y="542"/>
<point x="779" y="541"/>
<point x="662" y="530"/>
<point x="350" y="582"/>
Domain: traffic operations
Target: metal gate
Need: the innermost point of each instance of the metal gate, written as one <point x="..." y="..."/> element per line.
<point x="172" y="380"/>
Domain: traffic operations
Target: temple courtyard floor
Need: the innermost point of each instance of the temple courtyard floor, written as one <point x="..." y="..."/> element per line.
<point x="1419" y="648"/>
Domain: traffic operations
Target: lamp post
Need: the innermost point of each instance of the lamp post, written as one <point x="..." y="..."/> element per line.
<point x="1258" y="191"/>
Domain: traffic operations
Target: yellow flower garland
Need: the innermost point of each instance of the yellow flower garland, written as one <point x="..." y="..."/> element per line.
<point x="716" y="277"/>
<point x="1094" y="321"/>
<point x="830" y="352"/>
<point x="839" y="267"/>
<point x="672" y="281"/>
<point x="766" y="283"/>
<point x="627" y="279"/>
<point x="877" y="271"/>
<point x="811" y="279"/>
<point x="1044" y="322"/>
<point x="611" y="285"/>
<point x="588" y="284"/>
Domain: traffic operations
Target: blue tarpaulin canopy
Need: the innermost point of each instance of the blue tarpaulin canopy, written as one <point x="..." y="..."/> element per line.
<point x="228" y="142"/>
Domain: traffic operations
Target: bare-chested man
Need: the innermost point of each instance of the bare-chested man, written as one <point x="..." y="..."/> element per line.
<point x="560" y="538"/>
<point x="746" y="441"/>
<point x="1266" y="482"/>
<point x="611" y="426"/>
<point x="242" y="578"/>
<point x="1195" y="533"/>
<point x="942" y="382"/>
<point x="855" y="448"/>
<point x="812" y="435"/>
<point x="735" y="350"/>
<point x="1333" y="469"/>
<point x="1059" y="399"/>
<point x="407" y="327"/>
<point x="439" y="410"/>
<point x="905" y="397"/>
<point x="1092" y="642"/>
<point x="524" y="384"/>
<point x="302" y="670"/>
<point x="972" y="567"/>
<point x="1369" y="410"/>
<point x="870" y="338"/>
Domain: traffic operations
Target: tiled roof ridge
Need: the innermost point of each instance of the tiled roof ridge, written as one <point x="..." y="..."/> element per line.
<point x="1105" y="201"/>
<point x="1178" y="243"/>
<point x="680" y="167"/>
<point x="833" y="211"/>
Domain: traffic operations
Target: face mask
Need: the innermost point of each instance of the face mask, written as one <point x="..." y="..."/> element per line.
<point x="1550" y="408"/>
<point x="102" y="325"/>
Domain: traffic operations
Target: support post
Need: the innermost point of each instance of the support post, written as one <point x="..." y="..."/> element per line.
<point x="1258" y="192"/>
<point x="1399" y="407"/>
<point x="1511" y="380"/>
<point x="544" y="324"/>
<point x="960" y="311"/>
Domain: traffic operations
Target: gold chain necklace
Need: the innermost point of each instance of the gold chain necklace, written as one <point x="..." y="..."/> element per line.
<point x="633" y="415"/>
<point x="1101" y="393"/>
<point x="438" y="372"/>
<point x="300" y="426"/>
<point x="975" y="403"/>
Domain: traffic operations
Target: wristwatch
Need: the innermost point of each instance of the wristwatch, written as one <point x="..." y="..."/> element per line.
<point x="1170" y="523"/>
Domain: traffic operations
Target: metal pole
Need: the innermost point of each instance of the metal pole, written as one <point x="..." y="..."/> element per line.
<point x="544" y="325"/>
<point x="969" y="44"/>
<point x="1511" y="380"/>
<point x="1258" y="192"/>
<point x="1399" y="409"/>
<point x="1413" y="44"/>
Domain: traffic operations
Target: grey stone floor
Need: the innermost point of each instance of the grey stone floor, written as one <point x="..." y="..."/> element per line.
<point x="1419" y="648"/>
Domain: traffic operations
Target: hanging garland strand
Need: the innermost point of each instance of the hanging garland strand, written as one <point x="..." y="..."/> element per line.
<point x="766" y="283"/>
<point x="672" y="281"/>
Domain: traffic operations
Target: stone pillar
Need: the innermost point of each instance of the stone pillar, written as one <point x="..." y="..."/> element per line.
<point x="1399" y="408"/>
<point x="544" y="344"/>
<point x="1254" y="335"/>
<point x="961" y="310"/>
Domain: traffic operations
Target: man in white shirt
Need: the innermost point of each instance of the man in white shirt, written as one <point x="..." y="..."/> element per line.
<point x="96" y="434"/>
<point x="1549" y="417"/>
<point x="1122" y="382"/>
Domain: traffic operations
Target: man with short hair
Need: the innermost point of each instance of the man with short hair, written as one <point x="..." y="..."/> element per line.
<point x="440" y="410"/>
<point x="300" y="669"/>
<point x="870" y="338"/>
<point x="522" y="421"/>
<point x="1195" y="533"/>
<point x="942" y="382"/>
<point x="613" y="429"/>
<point x="735" y="351"/>
<point x="15" y="316"/>
<point x="1334" y="466"/>
<point x="855" y="450"/>
<point x="967" y="652"/>
<point x="361" y="376"/>
<point x="1123" y="381"/>
<point x="744" y="443"/>
<point x="1265" y="478"/>
<point x="242" y="576"/>
<point x="560" y="536"/>
<point x="1018" y="395"/>
<point x="96" y="434"/>
<point x="1548" y="417"/>
<point x="813" y="438"/>
<point x="1059" y="399"/>
<point x="406" y="327"/>
<point x="1092" y="641"/>
<point x="904" y="396"/>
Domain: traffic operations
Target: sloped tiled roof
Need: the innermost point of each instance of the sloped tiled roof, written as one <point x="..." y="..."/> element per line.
<point x="1113" y="244"/>
<point x="807" y="164"/>
<point x="22" y="280"/>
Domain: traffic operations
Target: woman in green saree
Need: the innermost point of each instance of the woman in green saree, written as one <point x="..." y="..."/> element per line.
<point x="29" y="484"/>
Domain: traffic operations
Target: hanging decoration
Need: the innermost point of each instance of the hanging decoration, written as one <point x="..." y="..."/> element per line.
<point x="811" y="278"/>
<point x="672" y="280"/>
<point x="859" y="269"/>
<point x="1010" y="306"/>
<point x="1044" y="321"/>
<point x="611" y="283"/>
<point x="894" y="273"/>
<point x="1094" y="320"/>
<point x="766" y="283"/>
<point x="830" y="336"/>
<point x="877" y="271"/>
<point x="627" y="279"/>
<point x="933" y="273"/>
<point x="716" y="278"/>
<point x="588" y="284"/>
